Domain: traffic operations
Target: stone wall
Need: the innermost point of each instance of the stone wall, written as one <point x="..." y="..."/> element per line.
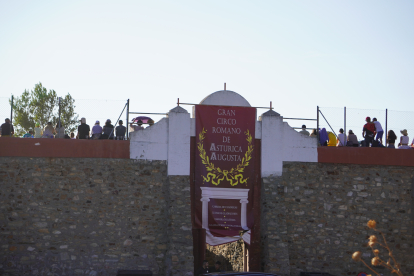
<point x="274" y="239"/>
<point x="314" y="217"/>
<point x="86" y="216"/>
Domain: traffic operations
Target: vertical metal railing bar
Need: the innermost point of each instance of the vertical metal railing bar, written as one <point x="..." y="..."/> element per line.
<point x="127" y="120"/>
<point x="11" y="109"/>
<point x="386" y="126"/>
<point x="344" y="127"/>
<point x="117" y="122"/>
<point x="317" y="123"/>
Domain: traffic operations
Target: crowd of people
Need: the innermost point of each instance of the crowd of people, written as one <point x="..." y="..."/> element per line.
<point x="372" y="132"/>
<point x="108" y="131"/>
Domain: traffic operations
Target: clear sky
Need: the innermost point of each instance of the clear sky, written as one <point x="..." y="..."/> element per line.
<point x="298" y="54"/>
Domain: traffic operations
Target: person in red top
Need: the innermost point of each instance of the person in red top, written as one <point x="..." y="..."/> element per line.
<point x="368" y="132"/>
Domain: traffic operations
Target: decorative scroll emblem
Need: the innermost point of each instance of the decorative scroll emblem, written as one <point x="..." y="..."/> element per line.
<point x="216" y="175"/>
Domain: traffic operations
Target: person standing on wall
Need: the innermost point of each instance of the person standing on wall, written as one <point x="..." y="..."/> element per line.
<point x="368" y="132"/>
<point x="378" y="129"/>
<point x="7" y="129"/>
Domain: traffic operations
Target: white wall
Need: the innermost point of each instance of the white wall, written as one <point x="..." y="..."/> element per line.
<point x="150" y="143"/>
<point x="169" y="139"/>
<point x="299" y="147"/>
<point x="280" y="142"/>
<point x="179" y="142"/>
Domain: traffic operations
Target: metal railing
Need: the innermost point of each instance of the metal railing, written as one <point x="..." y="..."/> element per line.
<point x="333" y="118"/>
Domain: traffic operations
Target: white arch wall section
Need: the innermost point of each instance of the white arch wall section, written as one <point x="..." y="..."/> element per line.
<point x="150" y="143"/>
<point x="299" y="147"/>
<point x="179" y="141"/>
<point x="280" y="142"/>
<point x="168" y="139"/>
<point x="225" y="97"/>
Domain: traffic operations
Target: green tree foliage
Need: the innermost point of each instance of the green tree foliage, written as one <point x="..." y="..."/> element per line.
<point x="41" y="106"/>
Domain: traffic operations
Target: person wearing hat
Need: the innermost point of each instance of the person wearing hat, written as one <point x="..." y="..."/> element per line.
<point x="120" y="131"/>
<point x="108" y="130"/>
<point x="404" y="140"/>
<point x="304" y="131"/>
<point x="7" y="129"/>
<point x="96" y="131"/>
<point x="368" y="132"/>
<point x="83" y="130"/>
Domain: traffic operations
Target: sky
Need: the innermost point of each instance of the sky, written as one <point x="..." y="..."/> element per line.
<point x="297" y="54"/>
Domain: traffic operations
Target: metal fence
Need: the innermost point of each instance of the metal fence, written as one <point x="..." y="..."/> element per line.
<point x="334" y="118"/>
<point x="100" y="110"/>
<point x="297" y="123"/>
<point x="91" y="109"/>
<point x="5" y="109"/>
<point x="331" y="118"/>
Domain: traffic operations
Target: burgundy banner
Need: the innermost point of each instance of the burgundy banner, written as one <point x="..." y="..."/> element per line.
<point x="224" y="168"/>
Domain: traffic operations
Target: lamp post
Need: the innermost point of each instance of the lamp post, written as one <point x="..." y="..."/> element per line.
<point x="59" y="124"/>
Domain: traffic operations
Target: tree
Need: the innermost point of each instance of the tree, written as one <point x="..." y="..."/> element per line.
<point x="41" y="106"/>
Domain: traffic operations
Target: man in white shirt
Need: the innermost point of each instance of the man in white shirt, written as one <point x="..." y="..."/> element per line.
<point x="380" y="131"/>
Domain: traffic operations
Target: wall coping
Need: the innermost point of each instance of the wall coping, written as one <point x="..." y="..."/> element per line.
<point x="70" y="148"/>
<point x="366" y="156"/>
<point x="43" y="147"/>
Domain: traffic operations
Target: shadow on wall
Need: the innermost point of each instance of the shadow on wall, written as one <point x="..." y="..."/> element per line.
<point x="230" y="255"/>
